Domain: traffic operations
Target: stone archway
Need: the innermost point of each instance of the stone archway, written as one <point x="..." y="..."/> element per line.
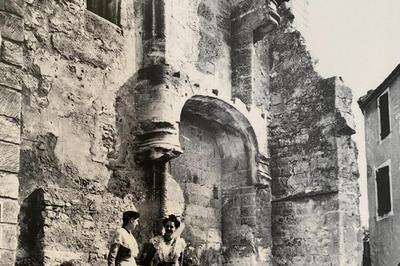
<point x="217" y="173"/>
<point x="238" y="195"/>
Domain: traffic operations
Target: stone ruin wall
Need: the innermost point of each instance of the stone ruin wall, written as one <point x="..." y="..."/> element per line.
<point x="74" y="73"/>
<point x="69" y="98"/>
<point x="315" y="191"/>
<point x="70" y="65"/>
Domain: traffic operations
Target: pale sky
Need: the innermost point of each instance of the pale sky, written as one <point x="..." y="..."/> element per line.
<point x="358" y="40"/>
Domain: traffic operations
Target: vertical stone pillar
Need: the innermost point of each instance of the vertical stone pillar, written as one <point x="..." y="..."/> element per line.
<point x="316" y="193"/>
<point x="350" y="234"/>
<point x="263" y="211"/>
<point x="251" y="21"/>
<point x="157" y="109"/>
<point x="315" y="215"/>
<point x="11" y="59"/>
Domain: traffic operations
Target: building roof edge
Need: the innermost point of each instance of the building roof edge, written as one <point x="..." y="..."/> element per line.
<point x="372" y="94"/>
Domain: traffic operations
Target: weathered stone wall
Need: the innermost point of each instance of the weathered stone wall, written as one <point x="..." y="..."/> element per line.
<point x="81" y="105"/>
<point x="76" y="68"/>
<point x="198" y="41"/>
<point x="98" y="109"/>
<point x="315" y="192"/>
<point x="198" y="171"/>
<point x="251" y="21"/>
<point x="11" y="60"/>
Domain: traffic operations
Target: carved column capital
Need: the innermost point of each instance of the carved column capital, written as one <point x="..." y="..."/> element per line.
<point x="157" y="108"/>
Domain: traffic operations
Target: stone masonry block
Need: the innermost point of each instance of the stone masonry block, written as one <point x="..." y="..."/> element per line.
<point x="248" y="211"/>
<point x="10" y="102"/>
<point x="247" y="190"/>
<point x="82" y="48"/>
<point x="214" y="236"/>
<point x="12" y="53"/>
<point x="10" y="76"/>
<point x="7" y="257"/>
<point x="202" y="216"/>
<point x="198" y="199"/>
<point x="9" y="238"/>
<point x="11" y="26"/>
<point x="248" y="199"/>
<point x="9" y="185"/>
<point x="9" y="159"/>
<point x="14" y="6"/>
<point x="199" y="211"/>
<point x="10" y="210"/>
<point x="9" y="129"/>
<point x="250" y="221"/>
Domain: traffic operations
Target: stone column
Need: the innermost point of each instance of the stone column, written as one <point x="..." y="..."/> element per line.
<point x="11" y="59"/>
<point x="157" y="106"/>
<point x="158" y="110"/>
<point x="263" y="211"/>
<point x="350" y="233"/>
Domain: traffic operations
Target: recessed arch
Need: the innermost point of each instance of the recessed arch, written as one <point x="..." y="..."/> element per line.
<point x="221" y="116"/>
<point x="218" y="175"/>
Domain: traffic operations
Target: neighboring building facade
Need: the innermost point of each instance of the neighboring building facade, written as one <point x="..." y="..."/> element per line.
<point x="210" y="110"/>
<point x="382" y="136"/>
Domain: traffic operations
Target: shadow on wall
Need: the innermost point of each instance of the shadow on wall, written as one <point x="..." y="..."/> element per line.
<point x="31" y="230"/>
<point x="129" y="176"/>
<point x="121" y="162"/>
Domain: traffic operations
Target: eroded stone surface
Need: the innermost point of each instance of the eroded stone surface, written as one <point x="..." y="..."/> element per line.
<point x="9" y="185"/>
<point x="11" y="26"/>
<point x="314" y="186"/>
<point x="10" y="77"/>
<point x="9" y="161"/>
<point x="12" y="53"/>
<point x="104" y="108"/>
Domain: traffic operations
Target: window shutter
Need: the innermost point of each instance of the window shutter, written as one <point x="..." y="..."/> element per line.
<point x="384" y="115"/>
<point x="383" y="191"/>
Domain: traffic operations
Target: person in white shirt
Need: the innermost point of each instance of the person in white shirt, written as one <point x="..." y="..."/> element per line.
<point x="166" y="249"/>
<point x="124" y="248"/>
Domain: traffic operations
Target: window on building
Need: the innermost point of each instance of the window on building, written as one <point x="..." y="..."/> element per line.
<point x="108" y="9"/>
<point x="384" y="115"/>
<point x="383" y="191"/>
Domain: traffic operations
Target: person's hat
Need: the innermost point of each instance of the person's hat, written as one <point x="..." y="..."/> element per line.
<point x="171" y="218"/>
<point x="128" y="215"/>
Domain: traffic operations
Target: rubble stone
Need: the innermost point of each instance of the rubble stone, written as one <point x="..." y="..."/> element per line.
<point x="12" y="53"/>
<point x="15" y="6"/>
<point x="314" y="186"/>
<point x="10" y="77"/>
<point x="12" y="26"/>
